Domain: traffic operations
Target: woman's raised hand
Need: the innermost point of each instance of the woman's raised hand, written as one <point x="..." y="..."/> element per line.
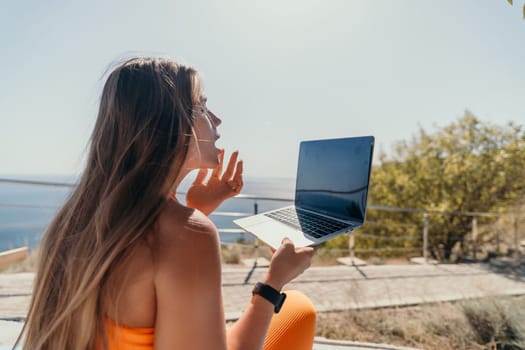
<point x="208" y="195"/>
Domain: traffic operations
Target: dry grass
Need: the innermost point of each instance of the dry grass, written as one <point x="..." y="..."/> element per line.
<point x="327" y="257"/>
<point x="500" y="322"/>
<point x="470" y="325"/>
<point x="233" y="254"/>
<point x="27" y="265"/>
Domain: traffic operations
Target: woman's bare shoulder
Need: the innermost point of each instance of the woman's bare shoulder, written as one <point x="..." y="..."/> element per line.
<point x="184" y="235"/>
<point x="179" y="222"/>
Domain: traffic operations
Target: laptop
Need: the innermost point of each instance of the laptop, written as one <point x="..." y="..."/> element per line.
<point x="330" y="194"/>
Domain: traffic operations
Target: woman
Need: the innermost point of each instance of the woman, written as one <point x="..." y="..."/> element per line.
<point x="124" y="265"/>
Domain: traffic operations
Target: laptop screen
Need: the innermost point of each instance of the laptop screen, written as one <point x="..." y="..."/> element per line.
<point x="333" y="176"/>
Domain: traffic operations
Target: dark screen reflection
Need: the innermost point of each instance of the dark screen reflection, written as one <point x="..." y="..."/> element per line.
<point x="333" y="176"/>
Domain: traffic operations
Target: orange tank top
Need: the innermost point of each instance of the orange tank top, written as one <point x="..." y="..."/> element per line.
<point x="128" y="338"/>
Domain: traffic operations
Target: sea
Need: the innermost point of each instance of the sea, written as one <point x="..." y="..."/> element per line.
<point x="26" y="210"/>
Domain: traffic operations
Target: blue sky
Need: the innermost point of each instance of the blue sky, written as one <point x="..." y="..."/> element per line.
<point x="275" y="71"/>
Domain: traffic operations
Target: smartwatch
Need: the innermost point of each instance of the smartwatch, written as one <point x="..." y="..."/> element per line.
<point x="270" y="294"/>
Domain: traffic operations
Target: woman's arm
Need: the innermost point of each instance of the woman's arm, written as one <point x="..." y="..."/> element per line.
<point x="190" y="312"/>
<point x="250" y="330"/>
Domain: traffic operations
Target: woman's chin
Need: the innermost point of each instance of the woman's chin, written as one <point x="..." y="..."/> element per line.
<point x="211" y="163"/>
<point x="216" y="157"/>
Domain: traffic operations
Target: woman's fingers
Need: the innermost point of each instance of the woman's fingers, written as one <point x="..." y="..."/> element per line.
<point x="218" y="170"/>
<point x="200" y="177"/>
<point x="231" y="166"/>
<point x="232" y="176"/>
<point x="306" y="250"/>
<point x="237" y="177"/>
<point x="287" y="242"/>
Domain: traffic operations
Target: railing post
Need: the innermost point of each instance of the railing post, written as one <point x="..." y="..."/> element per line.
<point x="425" y="236"/>
<point x="255" y="240"/>
<point x="516" y="238"/>
<point x="498" y="250"/>
<point x="474" y="236"/>
<point x="351" y="246"/>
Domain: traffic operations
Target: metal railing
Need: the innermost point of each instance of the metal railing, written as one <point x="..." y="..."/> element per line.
<point x="422" y="225"/>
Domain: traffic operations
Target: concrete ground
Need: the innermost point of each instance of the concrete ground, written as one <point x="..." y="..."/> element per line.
<point x="329" y="288"/>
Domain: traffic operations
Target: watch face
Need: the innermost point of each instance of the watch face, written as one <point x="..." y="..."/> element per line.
<point x="280" y="302"/>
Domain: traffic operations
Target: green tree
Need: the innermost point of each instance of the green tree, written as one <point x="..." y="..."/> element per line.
<point x="468" y="166"/>
<point x="510" y="2"/>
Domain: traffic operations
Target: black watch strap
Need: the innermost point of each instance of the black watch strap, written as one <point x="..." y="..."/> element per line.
<point x="270" y="294"/>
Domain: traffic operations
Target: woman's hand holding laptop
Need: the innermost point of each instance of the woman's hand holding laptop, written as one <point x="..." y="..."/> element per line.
<point x="287" y="263"/>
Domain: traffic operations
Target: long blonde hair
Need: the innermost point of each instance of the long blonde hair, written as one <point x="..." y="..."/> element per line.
<point x="138" y="145"/>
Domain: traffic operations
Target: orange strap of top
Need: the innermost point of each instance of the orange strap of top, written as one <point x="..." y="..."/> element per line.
<point x="127" y="338"/>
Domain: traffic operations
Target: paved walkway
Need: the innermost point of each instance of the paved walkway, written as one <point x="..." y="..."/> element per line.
<point x="332" y="288"/>
<point x="346" y="287"/>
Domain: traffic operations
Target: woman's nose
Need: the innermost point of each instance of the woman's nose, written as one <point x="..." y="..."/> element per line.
<point x="214" y="119"/>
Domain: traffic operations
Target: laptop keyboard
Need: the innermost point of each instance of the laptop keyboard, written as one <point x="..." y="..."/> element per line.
<point x="309" y="223"/>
